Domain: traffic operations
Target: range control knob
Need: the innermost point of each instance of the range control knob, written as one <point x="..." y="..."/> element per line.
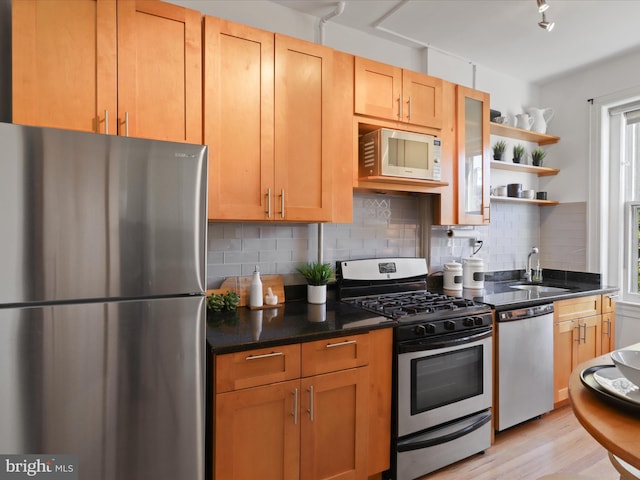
<point x="478" y="321"/>
<point x="431" y="328"/>
<point x="420" y="330"/>
<point x="450" y="325"/>
<point x="468" y="322"/>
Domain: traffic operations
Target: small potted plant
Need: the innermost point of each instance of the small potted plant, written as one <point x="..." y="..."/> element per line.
<point x="518" y="153"/>
<point x="317" y="276"/>
<point x="537" y="156"/>
<point x="498" y="149"/>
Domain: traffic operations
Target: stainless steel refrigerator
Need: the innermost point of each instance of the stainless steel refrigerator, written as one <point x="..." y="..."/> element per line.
<point x="102" y="306"/>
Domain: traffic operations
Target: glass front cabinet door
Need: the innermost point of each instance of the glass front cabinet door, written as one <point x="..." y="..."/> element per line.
<point x="472" y="126"/>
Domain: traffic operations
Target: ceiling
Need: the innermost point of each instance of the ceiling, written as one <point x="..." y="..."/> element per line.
<point x="502" y="35"/>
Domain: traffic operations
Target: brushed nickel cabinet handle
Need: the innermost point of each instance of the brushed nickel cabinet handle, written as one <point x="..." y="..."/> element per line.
<point x="106" y="122"/>
<point x="295" y="406"/>
<point x="341" y="344"/>
<point x="282" y="203"/>
<point x="584" y="338"/>
<point x="608" y="322"/>
<point x="268" y="202"/>
<point x="579" y="333"/>
<point x="126" y="124"/>
<point x="310" y="410"/>
<point x="265" y="355"/>
<point x="400" y="107"/>
<point x="409" y="109"/>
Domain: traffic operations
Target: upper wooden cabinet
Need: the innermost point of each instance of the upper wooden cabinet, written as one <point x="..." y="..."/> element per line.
<point x="472" y="132"/>
<point x="270" y="124"/>
<point x="118" y="67"/>
<point x="392" y="93"/>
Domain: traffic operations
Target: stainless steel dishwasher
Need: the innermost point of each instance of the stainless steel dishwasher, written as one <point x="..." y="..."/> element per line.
<point x="525" y="364"/>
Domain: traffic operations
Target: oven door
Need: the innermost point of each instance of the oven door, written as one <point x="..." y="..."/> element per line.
<point x="443" y="379"/>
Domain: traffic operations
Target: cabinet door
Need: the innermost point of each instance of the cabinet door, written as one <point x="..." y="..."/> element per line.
<point x="238" y="120"/>
<point x="303" y="73"/>
<point x="422" y="99"/>
<point x="64" y="64"/>
<point x="472" y="114"/>
<point x="334" y="429"/>
<point x="378" y="89"/>
<point x="608" y="324"/>
<point x="159" y="71"/>
<point x="256" y="434"/>
<point x="590" y="342"/>
<point x="380" y="373"/>
<point x="565" y="335"/>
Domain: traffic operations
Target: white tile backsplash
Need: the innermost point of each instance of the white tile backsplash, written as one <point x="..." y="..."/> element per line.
<point x="388" y="225"/>
<point x="383" y="225"/>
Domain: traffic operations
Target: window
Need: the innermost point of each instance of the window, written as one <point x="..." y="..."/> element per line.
<point x="629" y="153"/>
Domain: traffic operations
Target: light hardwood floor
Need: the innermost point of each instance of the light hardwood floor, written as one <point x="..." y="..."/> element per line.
<point x="556" y="443"/>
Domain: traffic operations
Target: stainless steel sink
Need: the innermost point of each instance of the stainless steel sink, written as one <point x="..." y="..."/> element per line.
<point x="540" y="288"/>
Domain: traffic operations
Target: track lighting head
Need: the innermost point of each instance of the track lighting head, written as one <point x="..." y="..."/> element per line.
<point x="542" y="5"/>
<point x="548" y="26"/>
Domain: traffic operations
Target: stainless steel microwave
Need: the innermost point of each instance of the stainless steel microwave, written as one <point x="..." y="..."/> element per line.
<point x="396" y="153"/>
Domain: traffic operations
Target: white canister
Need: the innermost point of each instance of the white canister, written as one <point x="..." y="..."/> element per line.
<point x="452" y="273"/>
<point x="473" y="272"/>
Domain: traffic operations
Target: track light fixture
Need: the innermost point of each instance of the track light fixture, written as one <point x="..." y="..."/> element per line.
<point x="542" y="5"/>
<point x="548" y="26"/>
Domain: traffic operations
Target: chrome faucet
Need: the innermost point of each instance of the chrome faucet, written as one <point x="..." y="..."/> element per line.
<point x="527" y="274"/>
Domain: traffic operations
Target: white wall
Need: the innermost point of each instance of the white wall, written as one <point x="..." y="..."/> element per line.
<point x="507" y="93"/>
<point x="569" y="96"/>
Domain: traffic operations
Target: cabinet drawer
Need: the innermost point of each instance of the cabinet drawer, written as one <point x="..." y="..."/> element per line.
<point x="332" y="354"/>
<point x="577" y="308"/>
<point x="251" y="368"/>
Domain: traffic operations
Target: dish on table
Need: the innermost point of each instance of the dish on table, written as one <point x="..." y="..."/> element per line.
<point x="616" y="399"/>
<point x="612" y="380"/>
<point x="628" y="362"/>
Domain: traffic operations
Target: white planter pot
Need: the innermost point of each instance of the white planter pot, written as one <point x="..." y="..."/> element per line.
<point x="317" y="294"/>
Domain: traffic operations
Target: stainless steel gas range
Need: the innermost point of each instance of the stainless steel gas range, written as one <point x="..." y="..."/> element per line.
<point x="442" y="372"/>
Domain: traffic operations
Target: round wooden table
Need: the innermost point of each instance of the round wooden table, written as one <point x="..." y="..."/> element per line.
<point x="617" y="430"/>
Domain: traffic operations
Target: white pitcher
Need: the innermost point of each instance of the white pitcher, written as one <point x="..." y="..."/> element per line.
<point x="524" y="121"/>
<point x="541" y="118"/>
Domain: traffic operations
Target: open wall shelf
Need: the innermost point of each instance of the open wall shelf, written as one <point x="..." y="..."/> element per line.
<point x="525" y="135"/>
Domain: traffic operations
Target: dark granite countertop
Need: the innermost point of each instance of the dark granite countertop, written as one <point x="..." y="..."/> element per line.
<point x="298" y="321"/>
<point x="498" y="291"/>
<point x="292" y="322"/>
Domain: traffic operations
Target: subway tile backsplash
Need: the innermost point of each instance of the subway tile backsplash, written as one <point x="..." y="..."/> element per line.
<point x="388" y="226"/>
<point x="383" y="225"/>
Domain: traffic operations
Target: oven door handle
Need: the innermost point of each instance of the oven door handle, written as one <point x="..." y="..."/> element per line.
<point x="417" y="346"/>
<point x="429" y="440"/>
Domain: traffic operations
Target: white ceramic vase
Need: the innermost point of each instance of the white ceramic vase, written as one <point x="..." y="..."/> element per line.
<point x="317" y="294"/>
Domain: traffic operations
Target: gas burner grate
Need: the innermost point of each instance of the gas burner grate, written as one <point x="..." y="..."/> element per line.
<point x="414" y="303"/>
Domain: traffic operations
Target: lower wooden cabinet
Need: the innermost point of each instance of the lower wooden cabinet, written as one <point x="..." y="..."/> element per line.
<point x="321" y="425"/>
<point x="256" y="433"/>
<point x="578" y="336"/>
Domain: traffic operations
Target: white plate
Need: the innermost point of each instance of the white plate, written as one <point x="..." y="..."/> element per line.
<point x="614" y="382"/>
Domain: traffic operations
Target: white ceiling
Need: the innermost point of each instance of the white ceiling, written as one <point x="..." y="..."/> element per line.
<point x="502" y="35"/>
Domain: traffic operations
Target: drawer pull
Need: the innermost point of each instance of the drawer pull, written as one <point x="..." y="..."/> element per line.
<point x="608" y="322"/>
<point x="310" y="410"/>
<point x="295" y="406"/>
<point x="341" y="344"/>
<point x="266" y="355"/>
